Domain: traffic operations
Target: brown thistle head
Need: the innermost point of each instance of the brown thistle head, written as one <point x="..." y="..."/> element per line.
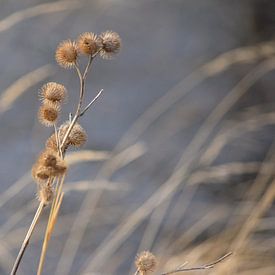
<point x="111" y="44"/>
<point x="146" y="262"/>
<point x="51" y="143"/>
<point x="66" y="54"/>
<point x="53" y="92"/>
<point x="48" y="113"/>
<point x="49" y="164"/>
<point x="77" y="136"/>
<point x="40" y="173"/>
<point x="88" y="43"/>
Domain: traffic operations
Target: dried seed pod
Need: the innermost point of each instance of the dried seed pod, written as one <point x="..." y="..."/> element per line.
<point x="53" y="92"/>
<point x="66" y="54"/>
<point x="45" y="194"/>
<point x="77" y="136"/>
<point x="48" y="158"/>
<point x="48" y="114"/>
<point x="51" y="143"/>
<point x="146" y="262"/>
<point x="111" y="44"/>
<point x="40" y="173"/>
<point x="88" y="43"/>
<point x="49" y="164"/>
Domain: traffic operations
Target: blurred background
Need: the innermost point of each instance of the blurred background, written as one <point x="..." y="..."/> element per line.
<point x="180" y="156"/>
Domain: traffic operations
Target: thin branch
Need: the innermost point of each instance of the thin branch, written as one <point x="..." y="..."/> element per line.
<point x="207" y="266"/>
<point x="51" y="222"/>
<point x="88" y="67"/>
<point x="93" y="100"/>
<point x="27" y="239"/>
<point x="57" y="141"/>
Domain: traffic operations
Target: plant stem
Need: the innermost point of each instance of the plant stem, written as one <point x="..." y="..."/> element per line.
<point x="27" y="238"/>
<point x="51" y="222"/>
<point x="81" y="96"/>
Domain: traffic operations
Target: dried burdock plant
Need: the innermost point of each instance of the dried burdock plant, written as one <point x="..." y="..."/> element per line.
<point x="146" y="263"/>
<point x="49" y="170"/>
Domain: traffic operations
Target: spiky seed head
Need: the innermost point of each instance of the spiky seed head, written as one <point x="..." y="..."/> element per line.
<point x="49" y="164"/>
<point x="51" y="143"/>
<point x="45" y="194"/>
<point x="48" y="114"/>
<point x="66" y="54"/>
<point x="40" y="173"/>
<point x="78" y="136"/>
<point x="88" y="43"/>
<point x="146" y="262"/>
<point x="53" y="92"/>
<point x="111" y="44"/>
<point x="48" y="158"/>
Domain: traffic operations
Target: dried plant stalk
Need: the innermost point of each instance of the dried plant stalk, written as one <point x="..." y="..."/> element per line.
<point x="50" y="167"/>
<point x="27" y="238"/>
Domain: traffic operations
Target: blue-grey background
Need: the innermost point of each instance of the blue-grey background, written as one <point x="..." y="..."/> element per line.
<point x="163" y="41"/>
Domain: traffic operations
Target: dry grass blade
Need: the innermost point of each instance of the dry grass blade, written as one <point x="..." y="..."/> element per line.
<point x="215" y="66"/>
<point x="239" y="242"/>
<point x="20" y="86"/>
<point x="228" y="133"/>
<point x="15" y="218"/>
<point x="86" y="155"/>
<point x="212" y="68"/>
<point x="15" y="189"/>
<point x="112" y="242"/>
<point x="73" y="158"/>
<point x="51" y="222"/>
<point x="81" y="186"/>
<point x="221" y="173"/>
<point x="82" y="218"/>
<point x="19" y="16"/>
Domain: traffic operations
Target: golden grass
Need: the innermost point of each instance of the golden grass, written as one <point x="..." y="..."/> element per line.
<point x="122" y="231"/>
<point x="183" y="179"/>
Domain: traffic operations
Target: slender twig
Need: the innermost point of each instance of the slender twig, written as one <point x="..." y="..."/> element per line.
<point x="92" y="101"/>
<point x="57" y="140"/>
<point x="27" y="238"/>
<point x="88" y="67"/>
<point x="81" y="95"/>
<point x="207" y="266"/>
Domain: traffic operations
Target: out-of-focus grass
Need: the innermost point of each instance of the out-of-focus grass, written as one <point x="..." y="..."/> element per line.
<point x="227" y="204"/>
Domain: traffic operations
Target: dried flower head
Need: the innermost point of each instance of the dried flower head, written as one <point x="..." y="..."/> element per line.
<point x="51" y="143"/>
<point x="77" y="136"/>
<point x="111" y="44"/>
<point x="45" y="194"/>
<point x="88" y="43"/>
<point x="146" y="262"/>
<point x="40" y="173"/>
<point x="53" y="92"/>
<point x="48" y="114"/>
<point x="48" y="158"/>
<point x="49" y="164"/>
<point x="66" y="54"/>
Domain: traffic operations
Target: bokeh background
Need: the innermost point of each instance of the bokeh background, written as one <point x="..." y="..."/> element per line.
<point x="180" y="156"/>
